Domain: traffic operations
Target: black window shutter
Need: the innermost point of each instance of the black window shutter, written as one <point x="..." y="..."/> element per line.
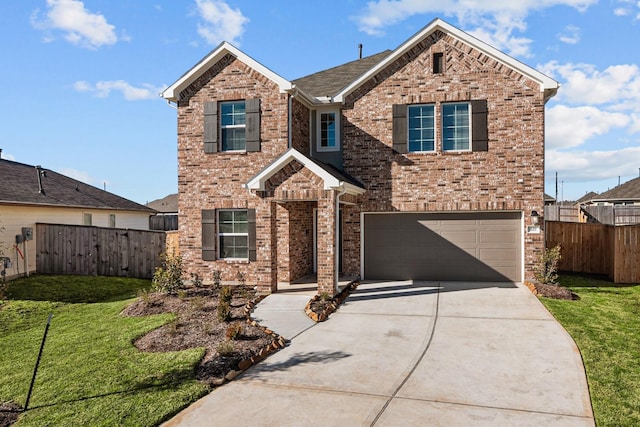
<point x="210" y="127"/>
<point x="252" y="115"/>
<point x="400" y="128"/>
<point x="209" y="234"/>
<point x="251" y="219"/>
<point x="479" y="131"/>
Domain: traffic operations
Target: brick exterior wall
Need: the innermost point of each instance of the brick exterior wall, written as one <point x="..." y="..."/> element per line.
<point x="509" y="176"/>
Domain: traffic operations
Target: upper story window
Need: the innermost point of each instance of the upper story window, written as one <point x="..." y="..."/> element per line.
<point x="328" y="131"/>
<point x="232" y="126"/>
<point x="112" y="220"/>
<point x="456" y="127"/>
<point x="86" y="219"/>
<point x="422" y="127"/>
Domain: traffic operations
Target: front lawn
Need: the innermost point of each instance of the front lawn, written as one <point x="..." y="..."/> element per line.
<point x="605" y="324"/>
<point x="90" y="373"/>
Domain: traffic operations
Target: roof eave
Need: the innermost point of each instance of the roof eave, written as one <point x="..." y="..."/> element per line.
<point x="172" y="93"/>
<point x="257" y="183"/>
<point x="547" y="85"/>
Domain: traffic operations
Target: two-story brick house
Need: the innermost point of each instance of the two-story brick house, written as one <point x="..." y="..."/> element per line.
<point x="425" y="162"/>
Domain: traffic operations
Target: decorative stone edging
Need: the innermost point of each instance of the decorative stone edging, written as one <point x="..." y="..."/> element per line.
<point x="278" y="342"/>
<point x="531" y="287"/>
<point x="333" y="305"/>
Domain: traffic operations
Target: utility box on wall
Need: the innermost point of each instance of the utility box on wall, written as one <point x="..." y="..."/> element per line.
<point x="27" y="233"/>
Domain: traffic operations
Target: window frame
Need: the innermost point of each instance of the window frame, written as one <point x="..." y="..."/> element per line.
<point x="222" y="127"/>
<point x="434" y="128"/>
<point x="220" y="235"/>
<point x="336" y="116"/>
<point x="112" y="220"/>
<point x="469" y="126"/>
<point x="87" y="218"/>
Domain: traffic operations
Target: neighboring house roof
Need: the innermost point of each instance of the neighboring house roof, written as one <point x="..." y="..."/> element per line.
<point x="548" y="198"/>
<point x="587" y="197"/>
<point x="628" y="191"/>
<point x="329" y="82"/>
<point x="168" y="204"/>
<point x="334" y="84"/>
<point x="32" y="185"/>
<point x="172" y="93"/>
<point x="332" y="177"/>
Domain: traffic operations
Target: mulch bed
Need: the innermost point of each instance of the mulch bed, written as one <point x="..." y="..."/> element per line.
<point x="9" y="413"/>
<point x="197" y="325"/>
<point x="551" y="291"/>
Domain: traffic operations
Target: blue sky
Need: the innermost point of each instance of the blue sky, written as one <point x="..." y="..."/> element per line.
<point x="82" y="78"/>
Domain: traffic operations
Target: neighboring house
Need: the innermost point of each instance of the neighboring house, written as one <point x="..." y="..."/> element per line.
<point x="586" y="198"/>
<point x="627" y="194"/>
<point x="425" y="162"/>
<point x="618" y="206"/>
<point x="32" y="194"/>
<point x="166" y="218"/>
<point x="549" y="200"/>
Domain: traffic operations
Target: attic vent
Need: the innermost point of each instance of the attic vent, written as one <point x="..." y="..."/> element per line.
<point x="438" y="63"/>
<point x="40" y="173"/>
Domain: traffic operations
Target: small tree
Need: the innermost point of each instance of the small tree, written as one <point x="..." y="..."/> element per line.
<point x="168" y="277"/>
<point x="546" y="269"/>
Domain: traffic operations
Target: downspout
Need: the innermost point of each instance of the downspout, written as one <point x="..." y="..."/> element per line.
<point x="292" y="95"/>
<point x="337" y="257"/>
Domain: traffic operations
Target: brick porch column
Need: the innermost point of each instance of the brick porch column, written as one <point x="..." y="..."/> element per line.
<point x="326" y="243"/>
<point x="266" y="248"/>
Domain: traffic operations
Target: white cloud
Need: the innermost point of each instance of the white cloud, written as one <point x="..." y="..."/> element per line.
<point x="80" y="27"/>
<point x="103" y="89"/>
<point x="570" y="35"/>
<point x="77" y="175"/>
<point x="493" y="21"/>
<point x="594" y="165"/>
<point x="221" y="22"/>
<point x="585" y="84"/>
<point x="8" y="156"/>
<point x="568" y="127"/>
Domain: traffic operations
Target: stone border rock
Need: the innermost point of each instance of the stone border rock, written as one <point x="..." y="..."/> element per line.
<point x="332" y="304"/>
<point x="278" y="342"/>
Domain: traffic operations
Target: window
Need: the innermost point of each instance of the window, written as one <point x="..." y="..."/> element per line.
<point x="233" y="234"/>
<point x="438" y="63"/>
<point x="86" y="219"/>
<point x="232" y="126"/>
<point x="328" y="131"/>
<point x="112" y="220"/>
<point x="421" y="127"/>
<point x="456" y="127"/>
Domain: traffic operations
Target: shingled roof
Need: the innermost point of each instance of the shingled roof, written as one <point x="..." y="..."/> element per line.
<point x="167" y="204"/>
<point x="629" y="191"/>
<point x="22" y="186"/>
<point x="331" y="81"/>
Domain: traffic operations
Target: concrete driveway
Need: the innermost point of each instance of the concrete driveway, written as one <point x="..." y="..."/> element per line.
<point x="414" y="354"/>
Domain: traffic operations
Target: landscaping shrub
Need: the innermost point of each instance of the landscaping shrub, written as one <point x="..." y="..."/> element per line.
<point x="546" y="269"/>
<point x="168" y="277"/>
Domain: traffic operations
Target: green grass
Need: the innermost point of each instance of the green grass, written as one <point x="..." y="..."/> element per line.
<point x="90" y="373"/>
<point x="605" y="324"/>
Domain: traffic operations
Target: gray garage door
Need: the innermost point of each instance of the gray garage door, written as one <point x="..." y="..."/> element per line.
<point x="475" y="246"/>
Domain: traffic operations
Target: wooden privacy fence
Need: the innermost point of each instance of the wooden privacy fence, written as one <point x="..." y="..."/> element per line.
<point x="597" y="249"/>
<point x="88" y="250"/>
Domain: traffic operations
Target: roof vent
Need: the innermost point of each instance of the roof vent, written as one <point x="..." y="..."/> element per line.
<point x="40" y="173"/>
<point x="359" y="50"/>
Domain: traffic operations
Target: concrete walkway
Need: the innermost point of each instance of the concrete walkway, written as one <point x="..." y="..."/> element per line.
<point x="414" y="354"/>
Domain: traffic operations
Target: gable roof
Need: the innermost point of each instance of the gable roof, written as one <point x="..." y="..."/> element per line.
<point x="547" y="84"/>
<point x="332" y="177"/>
<point x="328" y="82"/>
<point x="587" y="197"/>
<point x="20" y="186"/>
<point x="172" y="93"/>
<point x="167" y="204"/>
<point x="630" y="190"/>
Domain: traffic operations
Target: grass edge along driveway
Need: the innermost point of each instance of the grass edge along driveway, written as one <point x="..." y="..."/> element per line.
<point x="605" y="324"/>
<point x="90" y="373"/>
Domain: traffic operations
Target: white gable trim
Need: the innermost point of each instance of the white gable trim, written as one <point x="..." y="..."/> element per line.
<point x="172" y="93"/>
<point x="330" y="182"/>
<point x="547" y="84"/>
